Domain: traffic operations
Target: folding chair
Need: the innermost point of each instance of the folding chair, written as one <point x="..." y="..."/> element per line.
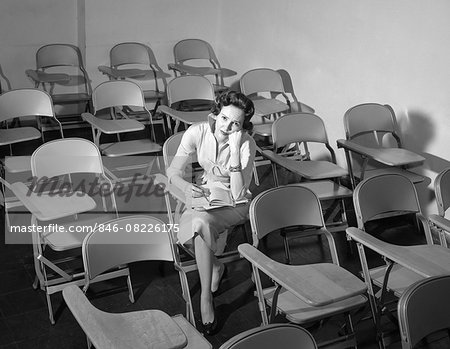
<point x="121" y="241"/>
<point x="423" y="309"/>
<point x="22" y="103"/>
<point x="266" y="89"/>
<point x="183" y="257"/>
<point x="113" y="97"/>
<point x="136" y="62"/>
<point x="185" y="94"/>
<point x="286" y="336"/>
<point x="376" y="199"/>
<point x="296" y="137"/>
<point x="15" y="104"/>
<point x="197" y="57"/>
<point x="59" y="197"/>
<point x="373" y="144"/>
<point x="439" y="220"/>
<point x="138" y="329"/>
<point x="304" y="294"/>
<point x="295" y="104"/>
<point x="61" y="72"/>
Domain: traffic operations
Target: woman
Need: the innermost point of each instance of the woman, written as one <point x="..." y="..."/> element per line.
<point x="226" y="153"/>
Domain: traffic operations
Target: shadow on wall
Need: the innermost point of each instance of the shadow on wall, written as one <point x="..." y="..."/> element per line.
<point x="417" y="131"/>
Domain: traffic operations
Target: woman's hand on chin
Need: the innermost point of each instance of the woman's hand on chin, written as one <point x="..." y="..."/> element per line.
<point x="234" y="140"/>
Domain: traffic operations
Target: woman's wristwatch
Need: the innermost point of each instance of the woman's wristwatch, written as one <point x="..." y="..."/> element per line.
<point x="237" y="168"/>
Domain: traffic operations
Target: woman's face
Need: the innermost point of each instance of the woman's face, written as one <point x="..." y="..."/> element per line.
<point x="229" y="120"/>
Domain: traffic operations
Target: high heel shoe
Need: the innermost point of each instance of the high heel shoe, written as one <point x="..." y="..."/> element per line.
<point x="221" y="277"/>
<point x="211" y="328"/>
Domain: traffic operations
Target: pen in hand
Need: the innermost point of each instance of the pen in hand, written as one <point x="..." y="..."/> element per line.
<point x="198" y="191"/>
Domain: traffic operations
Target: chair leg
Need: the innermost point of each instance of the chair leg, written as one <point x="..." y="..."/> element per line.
<point x="286" y="247"/>
<point x="130" y="289"/>
<point x="255" y="174"/>
<point x="50" y="309"/>
<point x="187" y="297"/>
<point x="36" y="282"/>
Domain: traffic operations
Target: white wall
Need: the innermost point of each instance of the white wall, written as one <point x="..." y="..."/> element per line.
<point x="339" y="53"/>
<point x="25" y="26"/>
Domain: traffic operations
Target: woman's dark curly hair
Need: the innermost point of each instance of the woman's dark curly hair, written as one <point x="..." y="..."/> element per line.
<point x="240" y="101"/>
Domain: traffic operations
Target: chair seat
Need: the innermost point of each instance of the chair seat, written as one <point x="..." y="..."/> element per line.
<point x="133" y="73"/>
<point x="44" y="77"/>
<point x="17" y="164"/>
<point x="309" y="169"/>
<point x="400" y="278"/>
<point x="300" y="312"/>
<point x="327" y="190"/>
<point x="150" y="94"/>
<point x="187" y="117"/>
<point x="18" y="134"/>
<point x="413" y="177"/>
<point x="64" y="240"/>
<point x="263" y="129"/>
<point x="70" y="98"/>
<point x="220" y="88"/>
<point x="269" y="106"/>
<point x="134" y="147"/>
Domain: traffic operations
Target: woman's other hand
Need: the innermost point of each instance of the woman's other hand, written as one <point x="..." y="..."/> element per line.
<point x="196" y="191"/>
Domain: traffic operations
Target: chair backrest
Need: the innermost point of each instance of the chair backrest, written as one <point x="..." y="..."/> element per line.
<point x="131" y="53"/>
<point x="384" y="194"/>
<point x="170" y="148"/>
<point x="298" y="127"/>
<point x="58" y="55"/>
<point x="189" y="87"/>
<point x="25" y="102"/>
<point x="287" y="206"/>
<point x="423" y="309"/>
<point x="261" y="80"/>
<point x="125" y="240"/>
<point x="442" y="191"/>
<point x="65" y="156"/>
<point x="286" y="336"/>
<point x="190" y="49"/>
<point x="64" y="55"/>
<point x="369" y="123"/>
<point x="116" y="93"/>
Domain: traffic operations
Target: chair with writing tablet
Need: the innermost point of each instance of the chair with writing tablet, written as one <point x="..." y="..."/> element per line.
<point x="295" y="104"/>
<point x="136" y="61"/>
<point x="373" y="144"/>
<point x="14" y="105"/>
<point x="379" y="199"/>
<point x="197" y="57"/>
<point x="66" y="171"/>
<point x="61" y="72"/>
<point x="265" y="88"/>
<point x="423" y="310"/>
<point x="304" y="294"/>
<point x="121" y="241"/>
<point x="190" y="98"/>
<point x="138" y="329"/>
<point x="440" y="221"/>
<point x="183" y="256"/>
<point x="110" y="116"/>
<point x="300" y="146"/>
